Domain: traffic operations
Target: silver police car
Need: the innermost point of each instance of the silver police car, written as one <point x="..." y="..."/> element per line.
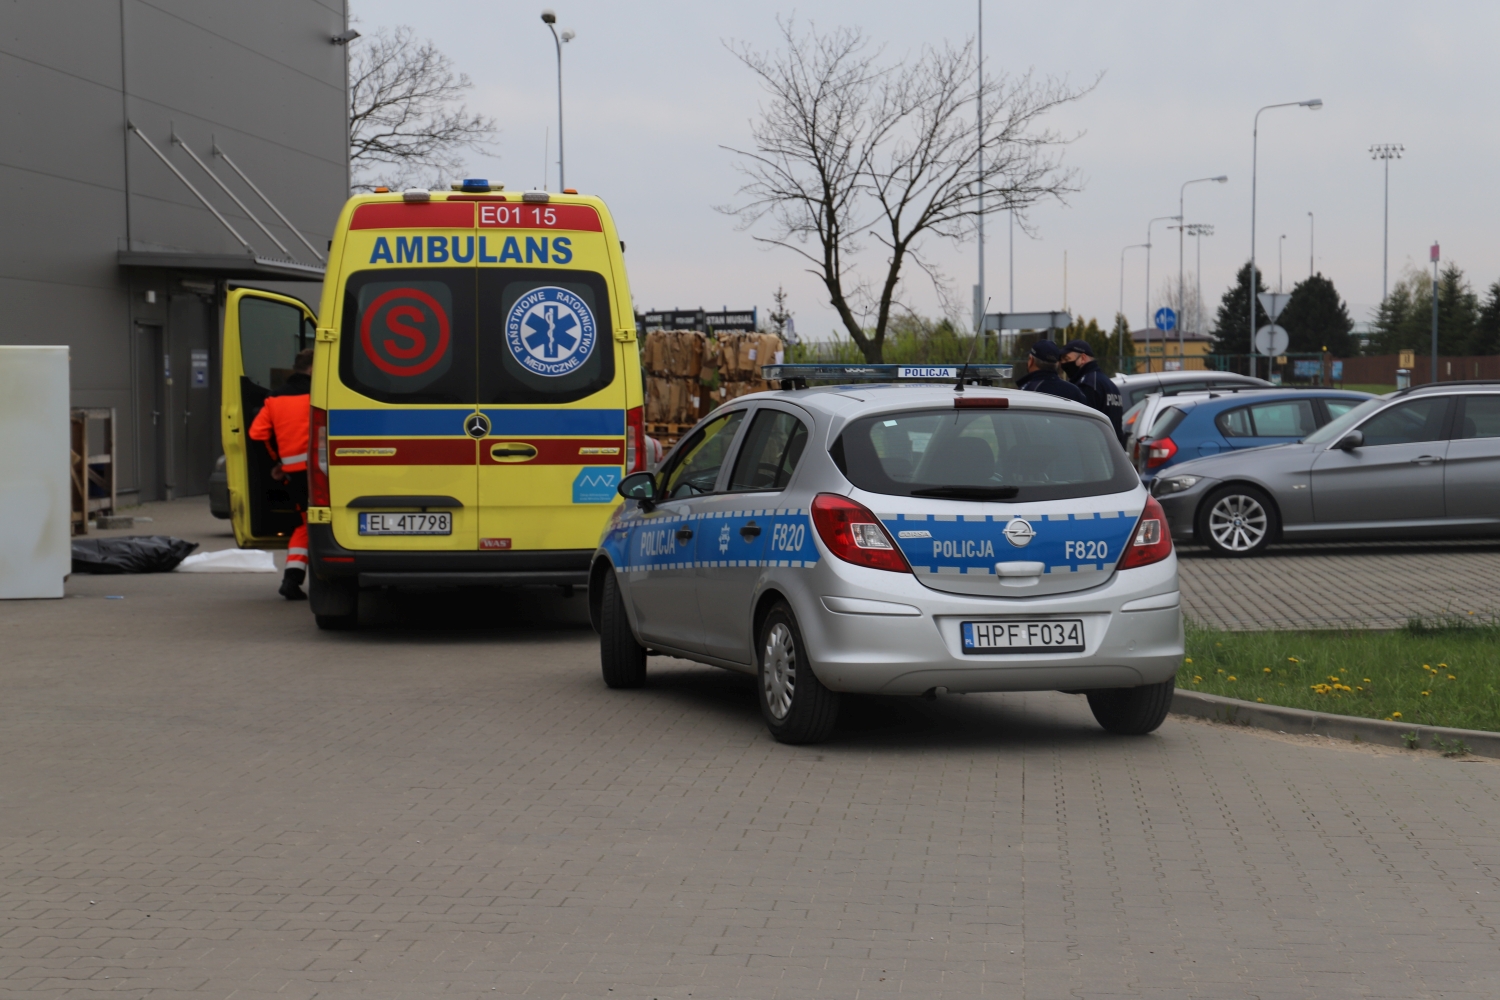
<point x="896" y="539"/>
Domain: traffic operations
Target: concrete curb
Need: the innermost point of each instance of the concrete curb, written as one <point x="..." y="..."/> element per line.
<point x="1345" y="727"/>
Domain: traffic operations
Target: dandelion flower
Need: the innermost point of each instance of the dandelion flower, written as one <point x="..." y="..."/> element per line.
<point x="1452" y="678"/>
<point x="1292" y="659"/>
<point x="1367" y="680"/>
<point x="1426" y="693"/>
<point x="1442" y="664"/>
<point x="1230" y="677"/>
<point x="1221" y="670"/>
<point x="1261" y="700"/>
<point x="1197" y="680"/>
<point x="1358" y="688"/>
<point x="1265" y="670"/>
<point x="1426" y="667"/>
<point x="1395" y="715"/>
<point x="1187" y="659"/>
<point x="1220" y="643"/>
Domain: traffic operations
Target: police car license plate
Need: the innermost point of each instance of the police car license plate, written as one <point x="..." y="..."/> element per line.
<point x="1055" y="635"/>
<point x="406" y="524"/>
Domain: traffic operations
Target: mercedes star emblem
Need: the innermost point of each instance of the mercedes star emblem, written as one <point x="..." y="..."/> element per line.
<point x="477" y="425"/>
<point x="1019" y="533"/>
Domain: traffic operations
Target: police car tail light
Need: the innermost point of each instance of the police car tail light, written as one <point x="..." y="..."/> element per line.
<point x="317" y="479"/>
<point x="1160" y="452"/>
<point x="1152" y="542"/>
<point x="854" y="534"/>
<point x="635" y="440"/>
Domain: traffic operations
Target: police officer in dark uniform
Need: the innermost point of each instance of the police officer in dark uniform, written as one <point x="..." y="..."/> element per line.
<point x="1083" y="371"/>
<point x="1041" y="373"/>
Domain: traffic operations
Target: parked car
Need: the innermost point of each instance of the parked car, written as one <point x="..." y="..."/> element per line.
<point x="1135" y="388"/>
<point x="1194" y="425"/>
<point x="1417" y="463"/>
<point x="897" y="540"/>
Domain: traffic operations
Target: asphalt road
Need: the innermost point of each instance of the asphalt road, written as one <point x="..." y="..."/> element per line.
<point x="202" y="796"/>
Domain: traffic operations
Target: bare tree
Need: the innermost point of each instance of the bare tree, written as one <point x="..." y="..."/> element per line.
<point x="850" y="148"/>
<point x="405" y="121"/>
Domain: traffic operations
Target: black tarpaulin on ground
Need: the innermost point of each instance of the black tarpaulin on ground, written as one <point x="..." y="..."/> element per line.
<point x="131" y="554"/>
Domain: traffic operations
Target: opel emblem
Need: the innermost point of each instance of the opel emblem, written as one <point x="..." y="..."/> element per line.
<point x="1019" y="533"/>
<point x="477" y="426"/>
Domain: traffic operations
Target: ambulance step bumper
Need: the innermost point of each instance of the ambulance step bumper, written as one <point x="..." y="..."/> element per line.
<point x="516" y="578"/>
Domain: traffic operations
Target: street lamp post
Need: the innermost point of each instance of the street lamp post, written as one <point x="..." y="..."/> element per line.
<point x="549" y="18"/>
<point x="1126" y="332"/>
<point x="1280" y="245"/>
<point x="1386" y="151"/>
<point x="1181" y="193"/>
<point x="1147" y="328"/>
<point x="1312" y="236"/>
<point x="1312" y="104"/>
<point x="1198" y="230"/>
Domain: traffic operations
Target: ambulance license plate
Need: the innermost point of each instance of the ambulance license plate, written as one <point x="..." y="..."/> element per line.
<point x="406" y="524"/>
<point x="1054" y="635"/>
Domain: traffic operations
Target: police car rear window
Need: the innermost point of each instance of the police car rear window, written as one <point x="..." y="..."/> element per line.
<point x="1014" y="455"/>
<point x="494" y="336"/>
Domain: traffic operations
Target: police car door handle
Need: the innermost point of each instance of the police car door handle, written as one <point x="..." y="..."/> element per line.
<point x="684" y="534"/>
<point x="1427" y="459"/>
<point x="749" y="531"/>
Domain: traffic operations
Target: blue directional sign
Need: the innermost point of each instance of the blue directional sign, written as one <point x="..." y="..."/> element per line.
<point x="1166" y="319"/>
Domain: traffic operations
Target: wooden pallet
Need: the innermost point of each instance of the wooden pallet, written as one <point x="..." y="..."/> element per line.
<point x="93" y="474"/>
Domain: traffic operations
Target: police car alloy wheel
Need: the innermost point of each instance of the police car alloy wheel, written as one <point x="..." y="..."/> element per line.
<point x="796" y="706"/>
<point x="1237" y="521"/>
<point x="621" y="659"/>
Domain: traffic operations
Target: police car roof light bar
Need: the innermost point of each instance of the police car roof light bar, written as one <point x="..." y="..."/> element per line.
<point x="797" y="376"/>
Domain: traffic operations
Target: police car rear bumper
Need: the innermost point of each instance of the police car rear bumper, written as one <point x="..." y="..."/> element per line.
<point x="445" y="569"/>
<point x="1132" y="626"/>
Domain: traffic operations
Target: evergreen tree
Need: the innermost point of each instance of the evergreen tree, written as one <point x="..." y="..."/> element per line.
<point x="1404" y="321"/>
<point x="1098" y="340"/>
<point x="1231" y="332"/>
<point x="1120" y="346"/>
<point x="1316" y="319"/>
<point x="1486" y="338"/>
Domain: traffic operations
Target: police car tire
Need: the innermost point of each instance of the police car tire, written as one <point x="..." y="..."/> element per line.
<point x="1132" y="711"/>
<point x="1250" y="494"/>
<point x="814" y="709"/>
<point x="621" y="659"/>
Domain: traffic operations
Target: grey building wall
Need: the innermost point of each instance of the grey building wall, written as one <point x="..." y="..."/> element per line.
<point x="264" y="82"/>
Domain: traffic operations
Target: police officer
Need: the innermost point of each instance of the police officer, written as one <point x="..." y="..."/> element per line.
<point x="282" y="424"/>
<point x="1041" y="373"/>
<point x="1083" y="371"/>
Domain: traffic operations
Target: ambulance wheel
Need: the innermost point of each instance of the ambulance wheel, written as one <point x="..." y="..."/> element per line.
<point x="621" y="658"/>
<point x="334" y="603"/>
<point x="1132" y="711"/>
<point x="795" y="704"/>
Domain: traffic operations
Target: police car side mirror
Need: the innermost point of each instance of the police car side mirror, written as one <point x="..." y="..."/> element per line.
<point x="639" y="486"/>
<point x="1351" y="441"/>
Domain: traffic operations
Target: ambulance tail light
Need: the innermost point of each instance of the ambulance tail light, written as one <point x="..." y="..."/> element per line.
<point x="317" y="478"/>
<point x="855" y="535"/>
<point x="635" y="440"/>
<point x="1152" y="541"/>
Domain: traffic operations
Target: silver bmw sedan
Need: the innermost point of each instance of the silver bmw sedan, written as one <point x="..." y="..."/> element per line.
<point x="901" y="540"/>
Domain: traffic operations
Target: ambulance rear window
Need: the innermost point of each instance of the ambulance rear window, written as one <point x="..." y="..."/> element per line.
<point x="408" y="335"/>
<point x="544" y="335"/>
<point x="1038" y="454"/>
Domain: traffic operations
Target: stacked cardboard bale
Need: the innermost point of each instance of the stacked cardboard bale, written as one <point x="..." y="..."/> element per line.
<point x="737" y="358"/>
<point x="673" y="360"/>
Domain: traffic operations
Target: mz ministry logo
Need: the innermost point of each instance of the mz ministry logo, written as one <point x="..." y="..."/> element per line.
<point x="550" y="331"/>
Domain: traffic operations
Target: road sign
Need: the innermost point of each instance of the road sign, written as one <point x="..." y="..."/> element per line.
<point x="1166" y="320"/>
<point x="1273" y="303"/>
<point x="1027" y="321"/>
<point x="1271" y="339"/>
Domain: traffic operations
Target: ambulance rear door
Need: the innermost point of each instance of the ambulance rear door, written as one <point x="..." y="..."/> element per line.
<point x="552" y="378"/>
<point x="401" y="440"/>
<point x="263" y="332"/>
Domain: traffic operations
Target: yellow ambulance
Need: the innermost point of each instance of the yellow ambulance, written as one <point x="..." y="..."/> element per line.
<point x="476" y="394"/>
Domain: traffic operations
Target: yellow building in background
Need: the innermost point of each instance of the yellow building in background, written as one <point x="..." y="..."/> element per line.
<point x="1156" y="351"/>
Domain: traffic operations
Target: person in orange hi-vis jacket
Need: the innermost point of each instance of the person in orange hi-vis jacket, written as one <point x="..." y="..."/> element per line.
<point x="282" y="425"/>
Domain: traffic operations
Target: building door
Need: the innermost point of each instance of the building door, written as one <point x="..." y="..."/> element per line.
<point x="193" y="427"/>
<point x="153" y="369"/>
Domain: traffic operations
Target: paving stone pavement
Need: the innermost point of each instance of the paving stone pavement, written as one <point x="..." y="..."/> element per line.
<point x="1342" y="586"/>
<point x="204" y="797"/>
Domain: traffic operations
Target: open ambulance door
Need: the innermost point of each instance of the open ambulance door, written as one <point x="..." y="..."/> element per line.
<point x="263" y="332"/>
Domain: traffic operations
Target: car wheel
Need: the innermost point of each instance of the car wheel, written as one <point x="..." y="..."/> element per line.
<point x="1238" y="521"/>
<point x="795" y="704"/>
<point x="1132" y="711"/>
<point x="621" y="658"/>
<point x="334" y="603"/>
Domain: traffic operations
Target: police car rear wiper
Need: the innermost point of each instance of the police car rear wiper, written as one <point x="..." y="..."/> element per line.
<point x="968" y="492"/>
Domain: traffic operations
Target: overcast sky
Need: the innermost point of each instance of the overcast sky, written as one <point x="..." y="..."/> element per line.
<point x="651" y="96"/>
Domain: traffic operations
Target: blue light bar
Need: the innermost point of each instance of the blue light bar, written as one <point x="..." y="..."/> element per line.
<point x="884" y="373"/>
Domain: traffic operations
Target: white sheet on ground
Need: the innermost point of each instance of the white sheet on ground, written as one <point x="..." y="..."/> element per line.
<point x="229" y="561"/>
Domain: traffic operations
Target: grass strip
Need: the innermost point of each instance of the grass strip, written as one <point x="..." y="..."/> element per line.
<point x="1443" y="672"/>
